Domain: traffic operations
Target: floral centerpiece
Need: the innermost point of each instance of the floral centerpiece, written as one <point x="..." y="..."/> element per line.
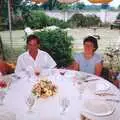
<point x="44" y="88"/>
<point x="111" y="61"/>
<point x="3" y="84"/>
<point x="3" y="91"/>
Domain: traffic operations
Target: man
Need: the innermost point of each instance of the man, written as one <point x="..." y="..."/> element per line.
<point x="34" y="57"/>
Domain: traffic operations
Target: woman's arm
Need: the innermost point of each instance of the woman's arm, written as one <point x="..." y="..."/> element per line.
<point x="98" y="69"/>
<point x="74" y="66"/>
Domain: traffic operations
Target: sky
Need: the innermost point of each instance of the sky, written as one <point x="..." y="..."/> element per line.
<point x="114" y="3"/>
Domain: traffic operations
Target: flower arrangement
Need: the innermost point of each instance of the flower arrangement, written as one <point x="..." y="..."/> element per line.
<point x="112" y="58"/>
<point x="111" y="61"/>
<point x="44" y="89"/>
<point x="3" y="84"/>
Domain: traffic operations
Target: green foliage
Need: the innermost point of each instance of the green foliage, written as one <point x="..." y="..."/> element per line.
<point x="37" y="20"/>
<point x="4" y="9"/>
<point x="59" y="23"/>
<point x="80" y="5"/>
<point x="1" y="49"/>
<point x="118" y="16"/>
<point x="62" y="6"/>
<point x="58" y="45"/>
<point x="1" y="27"/>
<point x="18" y="23"/>
<point x="79" y="20"/>
<point x="92" y="20"/>
<point x="11" y="54"/>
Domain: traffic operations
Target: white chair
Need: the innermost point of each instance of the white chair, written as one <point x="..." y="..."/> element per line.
<point x="28" y="31"/>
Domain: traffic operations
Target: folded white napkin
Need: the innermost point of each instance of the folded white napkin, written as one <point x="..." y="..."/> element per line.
<point x="7" y="115"/>
<point x="102" y="86"/>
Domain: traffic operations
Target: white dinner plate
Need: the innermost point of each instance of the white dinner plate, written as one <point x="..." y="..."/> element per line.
<point x="99" y="107"/>
<point x="102" y="86"/>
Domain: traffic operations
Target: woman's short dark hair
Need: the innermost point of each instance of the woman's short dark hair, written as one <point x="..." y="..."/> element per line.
<point x="33" y="37"/>
<point x="92" y="40"/>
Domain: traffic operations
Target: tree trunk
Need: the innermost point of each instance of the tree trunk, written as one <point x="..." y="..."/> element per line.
<point x="1" y="49"/>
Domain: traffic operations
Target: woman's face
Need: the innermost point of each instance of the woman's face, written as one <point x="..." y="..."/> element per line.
<point x="32" y="45"/>
<point x="89" y="48"/>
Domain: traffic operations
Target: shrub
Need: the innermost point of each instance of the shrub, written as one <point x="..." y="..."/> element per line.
<point x="58" y="45"/>
<point x="37" y="20"/>
<point x="79" y="20"/>
<point x="17" y="23"/>
<point x="11" y="54"/>
<point x="92" y="20"/>
<point x="59" y="23"/>
<point x="111" y="61"/>
<point x="1" y="28"/>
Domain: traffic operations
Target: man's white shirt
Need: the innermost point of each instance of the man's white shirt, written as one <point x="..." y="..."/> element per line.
<point x="43" y="61"/>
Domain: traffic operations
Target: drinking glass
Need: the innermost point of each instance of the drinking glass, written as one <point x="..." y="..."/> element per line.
<point x="37" y="73"/>
<point x="80" y="87"/>
<point x="3" y="91"/>
<point x="62" y="72"/>
<point x="30" y="100"/>
<point x="81" y="90"/>
<point x="64" y="103"/>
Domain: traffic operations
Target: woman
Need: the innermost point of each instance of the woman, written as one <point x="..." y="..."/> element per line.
<point x="34" y="57"/>
<point x="88" y="60"/>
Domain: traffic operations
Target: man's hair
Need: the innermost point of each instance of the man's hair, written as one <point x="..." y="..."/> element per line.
<point x="33" y="37"/>
<point x="92" y="40"/>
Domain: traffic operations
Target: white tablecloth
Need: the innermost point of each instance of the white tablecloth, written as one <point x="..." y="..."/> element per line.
<point x="49" y="109"/>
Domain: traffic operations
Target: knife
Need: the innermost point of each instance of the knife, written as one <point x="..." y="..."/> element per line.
<point x="90" y="80"/>
<point x="113" y="100"/>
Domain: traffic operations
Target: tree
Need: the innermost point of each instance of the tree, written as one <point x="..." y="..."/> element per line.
<point x="50" y="4"/>
<point x="119" y="7"/>
<point x="14" y="5"/>
<point x="80" y="5"/>
<point x="3" y="9"/>
<point x="104" y="6"/>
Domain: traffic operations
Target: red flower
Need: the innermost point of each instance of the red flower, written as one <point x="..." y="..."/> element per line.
<point x="3" y="84"/>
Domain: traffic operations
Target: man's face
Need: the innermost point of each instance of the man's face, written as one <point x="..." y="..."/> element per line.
<point x="32" y="45"/>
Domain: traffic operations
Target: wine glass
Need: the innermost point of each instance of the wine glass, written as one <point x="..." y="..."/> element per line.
<point x="3" y="91"/>
<point x="37" y="72"/>
<point x="80" y="87"/>
<point x="30" y="101"/>
<point x="62" y="72"/>
<point x="64" y="103"/>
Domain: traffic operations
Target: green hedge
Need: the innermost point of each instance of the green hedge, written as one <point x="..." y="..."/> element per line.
<point x="37" y="20"/>
<point x="79" y="20"/>
<point x="58" y="45"/>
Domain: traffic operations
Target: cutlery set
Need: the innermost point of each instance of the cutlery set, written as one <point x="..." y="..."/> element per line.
<point x="113" y="100"/>
<point x="105" y="94"/>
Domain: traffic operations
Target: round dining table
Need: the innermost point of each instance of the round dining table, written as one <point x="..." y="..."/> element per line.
<point x="85" y="96"/>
